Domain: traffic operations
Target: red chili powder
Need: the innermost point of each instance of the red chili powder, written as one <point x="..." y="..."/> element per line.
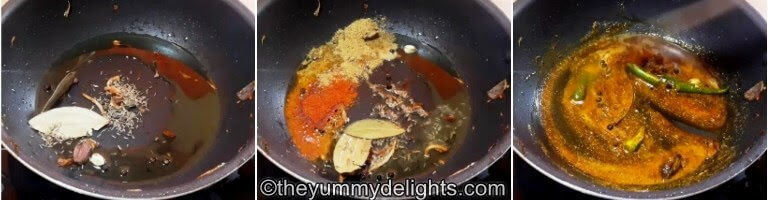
<point x="308" y="110"/>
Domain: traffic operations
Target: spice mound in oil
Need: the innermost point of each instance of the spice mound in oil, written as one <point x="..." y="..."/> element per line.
<point x="326" y="86"/>
<point x="361" y="74"/>
<point x="145" y="95"/>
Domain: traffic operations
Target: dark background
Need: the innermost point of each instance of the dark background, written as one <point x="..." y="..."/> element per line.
<point x="21" y="183"/>
<point x="530" y="184"/>
<point x="499" y="172"/>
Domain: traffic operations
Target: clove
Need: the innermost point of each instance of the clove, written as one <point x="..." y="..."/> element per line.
<point x="671" y="166"/>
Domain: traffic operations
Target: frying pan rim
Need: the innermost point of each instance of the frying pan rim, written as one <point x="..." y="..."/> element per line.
<point x="469" y="173"/>
<point x="748" y="9"/>
<point x="601" y="195"/>
<point x="236" y="162"/>
<point x="752" y="154"/>
<point x="239" y="160"/>
<point x="492" y="9"/>
<point x="243" y="12"/>
<point x="496" y="13"/>
<point x="9" y="8"/>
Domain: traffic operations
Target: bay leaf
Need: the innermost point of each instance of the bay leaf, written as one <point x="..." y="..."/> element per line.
<point x="350" y="153"/>
<point x="382" y="155"/>
<point x="68" y="122"/>
<point x="373" y="129"/>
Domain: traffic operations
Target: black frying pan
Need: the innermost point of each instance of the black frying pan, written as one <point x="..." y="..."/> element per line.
<point x="733" y="43"/>
<point x="472" y="35"/>
<point x="214" y="38"/>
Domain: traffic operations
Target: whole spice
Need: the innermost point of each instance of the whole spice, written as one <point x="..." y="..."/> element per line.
<point x="350" y="153"/>
<point x="371" y="35"/>
<point x="63" y="123"/>
<point x="671" y="166"/>
<point x="373" y="129"/>
<point x="409" y="49"/>
<point x="441" y="148"/>
<point x="83" y="150"/>
<point x="61" y="89"/>
<point x="95" y="102"/>
<point x="116" y="97"/>
<point x="123" y="97"/>
<point x="69" y="7"/>
<point x="168" y="134"/>
<point x="497" y="92"/>
<point x="397" y="105"/>
<point x="317" y="10"/>
<point x="380" y="156"/>
<point x="97" y="160"/>
<point x="263" y="37"/>
<point x="450" y="118"/>
<point x="755" y="92"/>
<point x="64" y="162"/>
<point x="247" y="92"/>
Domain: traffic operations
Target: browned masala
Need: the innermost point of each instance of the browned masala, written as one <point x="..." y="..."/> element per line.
<point x="588" y="135"/>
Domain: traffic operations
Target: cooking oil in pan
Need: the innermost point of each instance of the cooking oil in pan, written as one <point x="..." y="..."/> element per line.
<point x="180" y="101"/>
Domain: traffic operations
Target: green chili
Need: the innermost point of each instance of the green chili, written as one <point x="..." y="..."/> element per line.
<point x="632" y="143"/>
<point x="585" y="77"/>
<point x="678" y="85"/>
<point x="581" y="91"/>
<point x="682" y="86"/>
<point x="642" y="74"/>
